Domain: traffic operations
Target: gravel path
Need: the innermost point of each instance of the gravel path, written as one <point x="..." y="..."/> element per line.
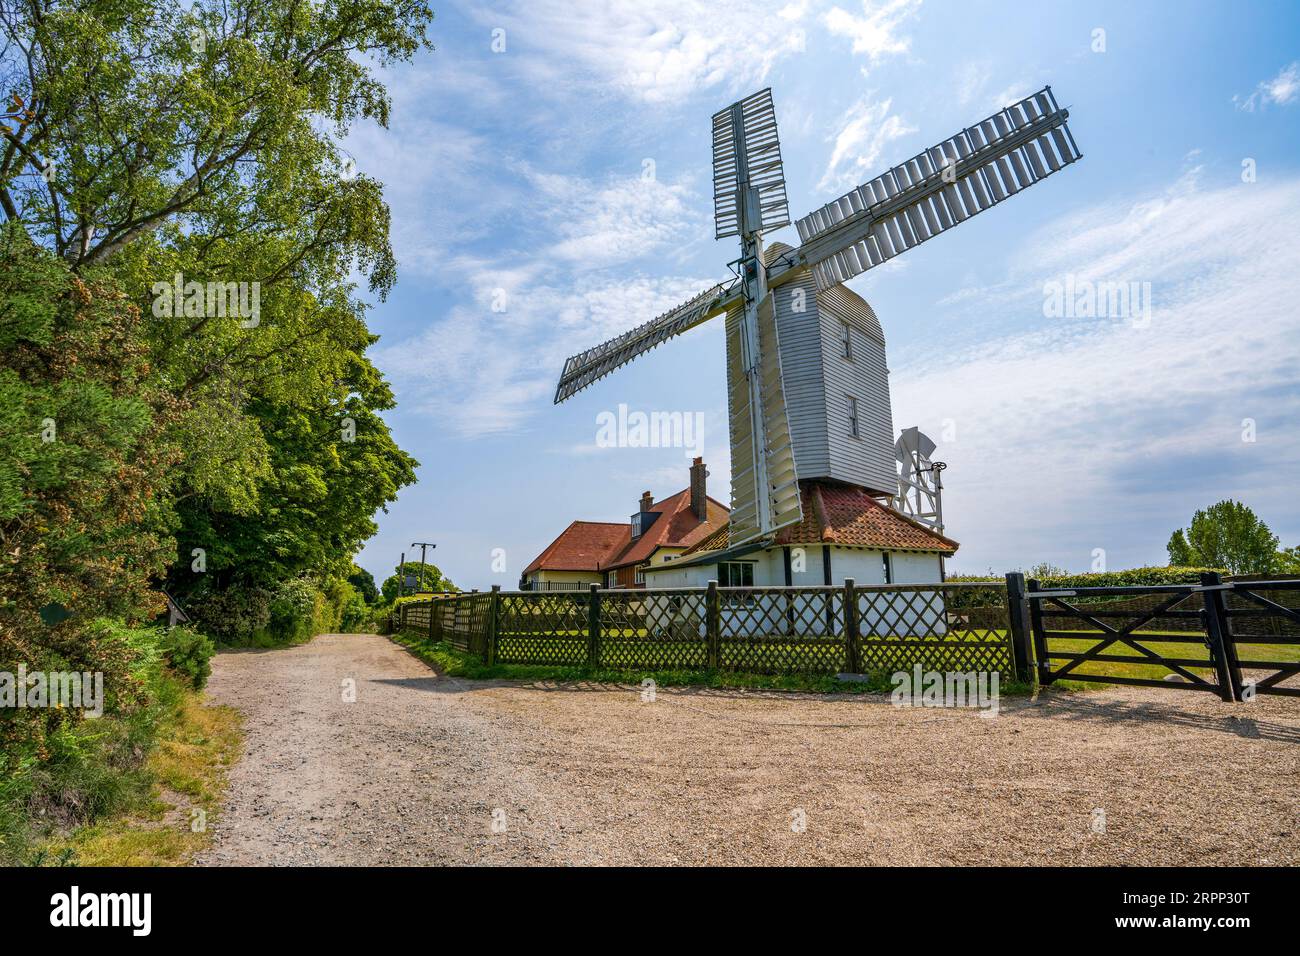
<point x="414" y="770"/>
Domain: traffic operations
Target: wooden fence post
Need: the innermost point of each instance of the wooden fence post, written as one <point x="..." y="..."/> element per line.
<point x="593" y="626"/>
<point x="1018" y="618"/>
<point x="713" y="626"/>
<point x="494" y="621"/>
<point x="850" y="625"/>
<point x="1218" y="638"/>
<point x="1040" y="638"/>
<point x="430" y="630"/>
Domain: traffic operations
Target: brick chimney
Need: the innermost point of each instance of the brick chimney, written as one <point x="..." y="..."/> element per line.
<point x="647" y="500"/>
<point x="699" y="495"/>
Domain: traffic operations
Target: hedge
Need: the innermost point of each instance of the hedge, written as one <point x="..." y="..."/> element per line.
<point x="1130" y="577"/>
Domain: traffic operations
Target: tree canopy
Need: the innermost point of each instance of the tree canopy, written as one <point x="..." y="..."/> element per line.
<point x="427" y="578"/>
<point x="153" y="146"/>
<point x="1225" y="535"/>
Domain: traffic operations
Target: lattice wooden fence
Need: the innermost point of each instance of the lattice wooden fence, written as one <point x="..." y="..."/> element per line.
<point x="772" y="630"/>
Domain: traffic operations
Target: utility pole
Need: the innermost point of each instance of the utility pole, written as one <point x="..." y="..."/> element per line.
<point x="401" y="576"/>
<point x="422" y="545"/>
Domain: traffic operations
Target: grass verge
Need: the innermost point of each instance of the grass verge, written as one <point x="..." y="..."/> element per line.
<point x="452" y="662"/>
<point x="177" y="795"/>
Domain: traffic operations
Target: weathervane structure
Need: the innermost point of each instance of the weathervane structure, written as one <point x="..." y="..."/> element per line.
<point x="807" y="383"/>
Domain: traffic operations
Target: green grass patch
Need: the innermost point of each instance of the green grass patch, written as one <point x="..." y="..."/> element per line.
<point x="453" y="662"/>
<point x="184" y="775"/>
<point x="1141" y="667"/>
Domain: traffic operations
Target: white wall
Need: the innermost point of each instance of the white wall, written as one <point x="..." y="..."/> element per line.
<point x="885" y="613"/>
<point x="865" y="567"/>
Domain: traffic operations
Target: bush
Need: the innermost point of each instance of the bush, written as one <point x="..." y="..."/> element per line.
<point x="79" y="769"/>
<point x="1129" y="578"/>
<point x="189" y="655"/>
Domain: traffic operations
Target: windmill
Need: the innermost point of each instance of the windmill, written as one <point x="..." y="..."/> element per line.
<point x="807" y="383"/>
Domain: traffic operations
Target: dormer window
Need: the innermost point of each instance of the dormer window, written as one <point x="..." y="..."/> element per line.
<point x="641" y="522"/>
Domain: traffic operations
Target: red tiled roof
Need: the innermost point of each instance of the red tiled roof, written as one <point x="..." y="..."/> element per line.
<point x="676" y="527"/>
<point x="582" y="546"/>
<point x="846" y="515"/>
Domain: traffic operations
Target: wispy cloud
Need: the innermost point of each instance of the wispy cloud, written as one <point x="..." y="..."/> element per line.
<point x="621" y="219"/>
<point x="1283" y="90"/>
<point x="1090" y="429"/>
<point x="973" y="79"/>
<point x="864" y="131"/>
<point x="876" y="33"/>
<point x="654" y="52"/>
<point x="480" y="372"/>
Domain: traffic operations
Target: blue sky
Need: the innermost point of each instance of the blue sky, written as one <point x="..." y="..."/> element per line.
<point x="527" y="229"/>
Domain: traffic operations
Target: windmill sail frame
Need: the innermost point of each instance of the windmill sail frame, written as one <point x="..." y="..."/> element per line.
<point x="937" y="189"/>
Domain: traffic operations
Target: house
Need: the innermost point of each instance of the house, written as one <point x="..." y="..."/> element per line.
<point x="846" y="532"/>
<point x="619" y="555"/>
<point x="572" y="561"/>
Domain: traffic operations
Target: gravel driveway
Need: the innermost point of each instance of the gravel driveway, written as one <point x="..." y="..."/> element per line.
<point x="422" y="769"/>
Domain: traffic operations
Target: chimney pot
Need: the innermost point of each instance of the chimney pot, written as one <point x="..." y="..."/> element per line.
<point x="646" y="500"/>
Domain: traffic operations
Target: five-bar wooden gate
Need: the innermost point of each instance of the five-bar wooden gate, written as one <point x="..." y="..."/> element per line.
<point x="1234" y="639"/>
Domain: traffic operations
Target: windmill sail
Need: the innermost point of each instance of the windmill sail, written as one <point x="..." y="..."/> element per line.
<point x="748" y="176"/>
<point x="774" y="487"/>
<point x="937" y="189"/>
<point x="586" y="367"/>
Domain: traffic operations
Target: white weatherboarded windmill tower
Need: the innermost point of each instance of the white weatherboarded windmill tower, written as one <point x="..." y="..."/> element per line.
<point x="807" y="383"/>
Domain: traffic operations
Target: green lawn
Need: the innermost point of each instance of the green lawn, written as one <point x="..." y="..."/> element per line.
<point x="630" y="655"/>
<point x="634" y="648"/>
<point x="1140" y="668"/>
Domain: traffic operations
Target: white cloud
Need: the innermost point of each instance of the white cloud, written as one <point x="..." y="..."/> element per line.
<point x="1076" y="433"/>
<point x="621" y="219"/>
<point x="876" y="32"/>
<point x="1013" y="93"/>
<point x="1282" y="89"/>
<point x="971" y="79"/>
<point x="865" y="130"/>
<point x="654" y="52"/>
<point x="478" y="372"/>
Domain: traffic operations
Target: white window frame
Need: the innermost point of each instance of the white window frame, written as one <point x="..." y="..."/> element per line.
<point x="846" y="341"/>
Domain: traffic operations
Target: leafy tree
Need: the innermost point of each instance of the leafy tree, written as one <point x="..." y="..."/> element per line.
<point x="1225" y="535"/>
<point x="431" y="579"/>
<point x="364" y="583"/>
<point x="82" y="463"/>
<point x="157" y="139"/>
<point x="1288" y="561"/>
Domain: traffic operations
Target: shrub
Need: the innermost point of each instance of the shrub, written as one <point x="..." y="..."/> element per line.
<point x="78" y="769"/>
<point x="1128" y="578"/>
<point x="189" y="655"/>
